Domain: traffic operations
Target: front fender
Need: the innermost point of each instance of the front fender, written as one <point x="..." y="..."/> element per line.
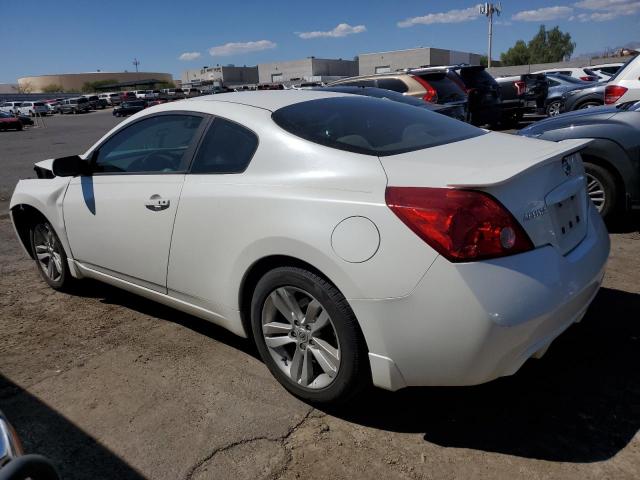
<point x="46" y="196"/>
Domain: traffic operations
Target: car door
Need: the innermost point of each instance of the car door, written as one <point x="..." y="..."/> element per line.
<point x="119" y="219"/>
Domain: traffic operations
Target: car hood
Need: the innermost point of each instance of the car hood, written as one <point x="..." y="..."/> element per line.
<point x="587" y="116"/>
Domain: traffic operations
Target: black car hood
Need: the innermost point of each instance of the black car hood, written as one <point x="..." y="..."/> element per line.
<point x="585" y="116"/>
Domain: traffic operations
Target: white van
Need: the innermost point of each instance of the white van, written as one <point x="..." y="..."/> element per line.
<point x="624" y="86"/>
<point x="10" y="107"/>
<point x="33" y="108"/>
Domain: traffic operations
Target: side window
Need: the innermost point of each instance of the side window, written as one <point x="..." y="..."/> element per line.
<point x="226" y="148"/>
<point x="157" y="144"/>
<point x="392" y="84"/>
<point x="553" y="83"/>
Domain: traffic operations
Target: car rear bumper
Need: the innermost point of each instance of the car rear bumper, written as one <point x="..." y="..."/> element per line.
<point x="470" y="323"/>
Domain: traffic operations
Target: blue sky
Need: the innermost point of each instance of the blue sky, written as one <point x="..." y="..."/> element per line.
<point x="77" y="36"/>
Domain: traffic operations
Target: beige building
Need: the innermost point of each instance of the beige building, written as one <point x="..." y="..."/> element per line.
<point x="73" y="82"/>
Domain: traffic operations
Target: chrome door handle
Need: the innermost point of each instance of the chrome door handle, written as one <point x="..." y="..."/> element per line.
<point x="157" y="203"/>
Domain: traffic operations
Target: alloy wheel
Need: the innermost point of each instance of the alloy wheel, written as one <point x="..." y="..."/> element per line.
<point x="301" y="337"/>
<point x="596" y="192"/>
<point x="554" y="109"/>
<point x="47" y="251"/>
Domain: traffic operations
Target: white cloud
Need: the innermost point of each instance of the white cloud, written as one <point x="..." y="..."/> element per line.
<point x="604" y="10"/>
<point x="188" y="56"/>
<point x="342" y="30"/>
<point x="234" y="48"/>
<point x="543" y="14"/>
<point x="452" y="16"/>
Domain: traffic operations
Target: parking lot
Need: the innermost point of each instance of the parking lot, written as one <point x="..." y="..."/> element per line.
<point x="109" y="385"/>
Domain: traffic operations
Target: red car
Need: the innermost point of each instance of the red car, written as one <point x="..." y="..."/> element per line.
<point x="10" y="123"/>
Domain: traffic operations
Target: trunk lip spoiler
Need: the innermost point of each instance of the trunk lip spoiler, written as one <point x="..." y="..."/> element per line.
<point x="564" y="148"/>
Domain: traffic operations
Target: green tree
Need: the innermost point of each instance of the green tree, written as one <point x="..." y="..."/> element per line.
<point x="484" y="60"/>
<point x="545" y="47"/>
<point x="516" y="55"/>
<point x="52" y="88"/>
<point x="165" y="85"/>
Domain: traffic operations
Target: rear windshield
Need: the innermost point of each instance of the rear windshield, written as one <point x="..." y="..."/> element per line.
<point x="82" y="100"/>
<point x="568" y="79"/>
<point x="371" y="126"/>
<point x="447" y="89"/>
<point x="475" y="77"/>
<point x="38" y="104"/>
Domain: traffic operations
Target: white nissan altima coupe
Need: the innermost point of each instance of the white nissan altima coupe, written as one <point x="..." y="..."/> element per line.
<point x="354" y="239"/>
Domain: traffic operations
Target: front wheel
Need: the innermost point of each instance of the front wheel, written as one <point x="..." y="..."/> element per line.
<point x="308" y="336"/>
<point x="553" y="109"/>
<point x="50" y="256"/>
<point x="601" y="188"/>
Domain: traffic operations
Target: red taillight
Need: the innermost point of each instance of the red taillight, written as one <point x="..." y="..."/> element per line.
<point x="520" y="87"/>
<point x="588" y="78"/>
<point x="461" y="225"/>
<point x="612" y="93"/>
<point x="431" y="95"/>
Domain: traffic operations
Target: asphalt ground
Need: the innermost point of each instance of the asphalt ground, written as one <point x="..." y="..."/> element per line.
<point x="112" y="386"/>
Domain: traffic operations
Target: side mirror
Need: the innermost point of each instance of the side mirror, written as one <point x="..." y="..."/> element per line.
<point x="70" y="166"/>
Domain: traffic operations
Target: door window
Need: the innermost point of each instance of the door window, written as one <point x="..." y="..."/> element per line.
<point x="226" y="148"/>
<point x="155" y="145"/>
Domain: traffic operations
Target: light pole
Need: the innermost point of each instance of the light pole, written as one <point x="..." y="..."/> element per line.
<point x="136" y="62"/>
<point x="488" y="9"/>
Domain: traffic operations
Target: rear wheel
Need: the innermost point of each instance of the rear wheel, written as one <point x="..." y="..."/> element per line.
<point x="601" y="188"/>
<point x="50" y="256"/>
<point x="308" y="336"/>
<point x="553" y="109"/>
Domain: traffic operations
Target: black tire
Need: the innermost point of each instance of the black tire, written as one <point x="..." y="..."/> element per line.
<point x="353" y="373"/>
<point x="553" y="109"/>
<point x="608" y="183"/>
<point x="65" y="280"/>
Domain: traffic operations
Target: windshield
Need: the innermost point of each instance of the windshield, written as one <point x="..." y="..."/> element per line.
<point x="567" y="79"/>
<point x="371" y="126"/>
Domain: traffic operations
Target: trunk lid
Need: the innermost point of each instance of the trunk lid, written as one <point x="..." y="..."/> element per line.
<point x="541" y="183"/>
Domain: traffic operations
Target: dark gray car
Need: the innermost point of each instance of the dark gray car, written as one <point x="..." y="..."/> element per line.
<point x="612" y="159"/>
<point x="585" y="97"/>
<point x="559" y="85"/>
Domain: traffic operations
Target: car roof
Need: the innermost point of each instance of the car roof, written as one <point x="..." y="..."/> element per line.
<point x="266" y="99"/>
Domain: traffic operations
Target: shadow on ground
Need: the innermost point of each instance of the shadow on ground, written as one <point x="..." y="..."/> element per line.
<point x="580" y="403"/>
<point x="44" y="431"/>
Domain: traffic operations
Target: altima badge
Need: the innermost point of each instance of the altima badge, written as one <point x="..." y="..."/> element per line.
<point x="536" y="212"/>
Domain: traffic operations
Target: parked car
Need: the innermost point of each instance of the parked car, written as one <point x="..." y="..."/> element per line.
<point x="583" y="97"/>
<point x="110" y="97"/>
<point x="158" y="101"/>
<point x="611" y="159"/>
<point x="33" y="108"/>
<point x="14" y="464"/>
<point x="52" y="106"/>
<point x="173" y="92"/>
<point x="144" y="94"/>
<point x="430" y="85"/>
<point x="522" y="94"/>
<point x="24" y="119"/>
<point x="95" y="102"/>
<point x="10" y="107"/>
<point x="192" y="92"/>
<point x="624" y="86"/>
<point x="606" y="70"/>
<point x="129" y="108"/>
<point x="9" y="122"/>
<point x="582" y="73"/>
<point x="558" y="86"/>
<point x="353" y="238"/>
<point x="128" y="96"/>
<point x="74" y="105"/>
<point x="452" y="111"/>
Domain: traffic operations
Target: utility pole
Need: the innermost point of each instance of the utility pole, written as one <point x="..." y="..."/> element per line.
<point x="488" y="9"/>
<point x="136" y="62"/>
